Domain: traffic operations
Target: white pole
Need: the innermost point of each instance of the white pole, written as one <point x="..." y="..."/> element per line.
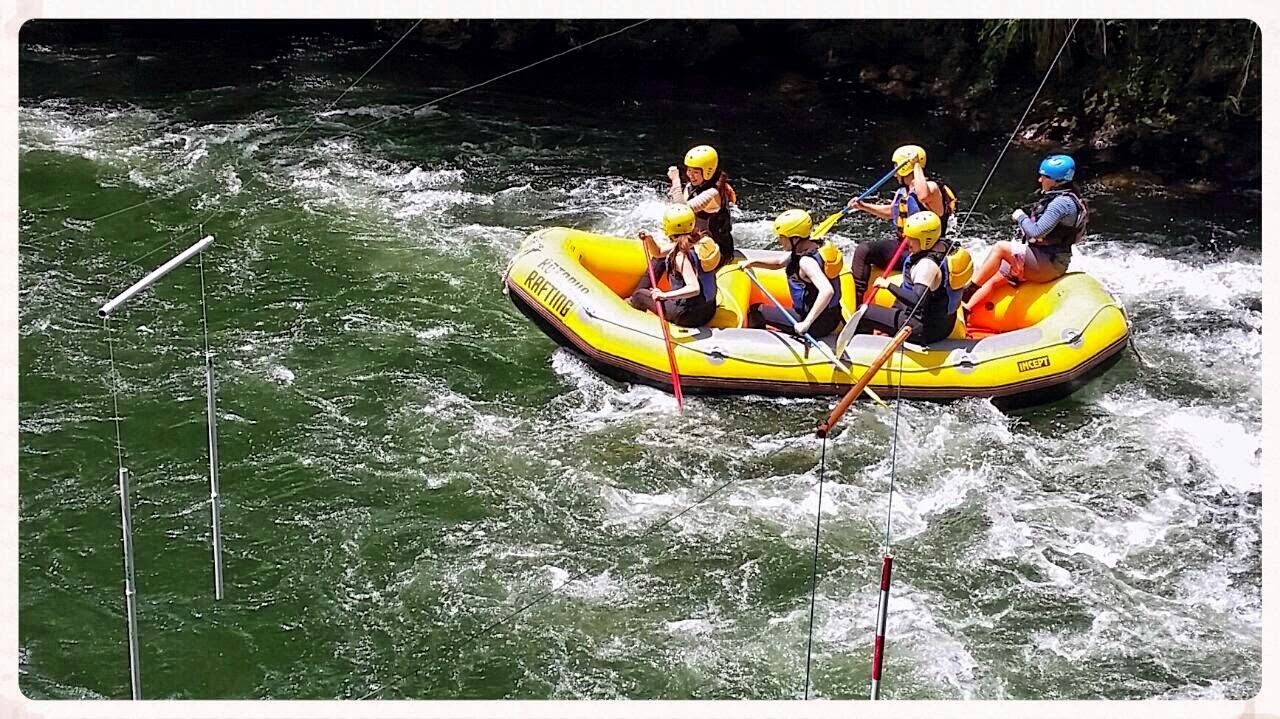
<point x="213" y="476"/>
<point x="155" y="274"/>
<point x="130" y="590"/>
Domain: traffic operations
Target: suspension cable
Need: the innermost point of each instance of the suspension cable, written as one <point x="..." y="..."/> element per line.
<point x="813" y="586"/>
<point x="1014" y="134"/>
<point x="352" y="86"/>
<point x="469" y="88"/>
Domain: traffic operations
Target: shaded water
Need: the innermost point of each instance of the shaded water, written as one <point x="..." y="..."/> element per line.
<point x="406" y="460"/>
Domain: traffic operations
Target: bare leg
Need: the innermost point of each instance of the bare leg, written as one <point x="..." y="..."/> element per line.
<point x="1002" y="252"/>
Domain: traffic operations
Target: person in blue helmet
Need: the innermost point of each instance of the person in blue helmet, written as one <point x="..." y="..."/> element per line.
<point x="1054" y="223"/>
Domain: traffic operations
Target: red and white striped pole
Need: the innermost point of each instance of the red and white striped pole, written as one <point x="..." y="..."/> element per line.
<point x="882" y="618"/>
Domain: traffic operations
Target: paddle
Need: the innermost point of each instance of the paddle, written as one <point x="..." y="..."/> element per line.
<point x="666" y="332"/>
<point x="830" y="422"/>
<point x="831" y="221"/>
<point x="816" y="344"/>
<point x="850" y="329"/>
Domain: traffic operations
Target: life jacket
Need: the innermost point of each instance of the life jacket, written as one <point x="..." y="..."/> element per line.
<point x="906" y="204"/>
<point x="804" y="294"/>
<point x="717" y="224"/>
<point x="1062" y="236"/>
<point x="706" y="278"/>
<point x="941" y="302"/>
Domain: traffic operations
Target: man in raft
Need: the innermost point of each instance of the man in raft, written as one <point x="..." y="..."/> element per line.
<point x="815" y="299"/>
<point x="916" y="192"/>
<point x="708" y="193"/>
<point x="690" y="262"/>
<point x="1050" y="227"/>
<point x="926" y="283"/>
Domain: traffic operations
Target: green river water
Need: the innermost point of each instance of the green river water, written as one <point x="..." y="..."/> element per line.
<point x="406" y="460"/>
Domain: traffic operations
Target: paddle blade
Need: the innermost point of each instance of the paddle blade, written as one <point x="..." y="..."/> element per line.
<point x="850" y="328"/>
<point x="867" y="391"/>
<point x="826" y="225"/>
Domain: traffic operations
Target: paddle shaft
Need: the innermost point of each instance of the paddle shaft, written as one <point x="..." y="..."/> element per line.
<point x="666" y="332"/>
<point x="790" y="318"/>
<point x="830" y="222"/>
<point x="871" y="291"/>
<point x="820" y="347"/>
<point x="830" y="422"/>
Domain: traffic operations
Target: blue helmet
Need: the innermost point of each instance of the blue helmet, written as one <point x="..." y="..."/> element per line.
<point x="1060" y="168"/>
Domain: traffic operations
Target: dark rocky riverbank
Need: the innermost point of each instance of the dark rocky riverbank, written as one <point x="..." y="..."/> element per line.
<point x="1170" y="103"/>
<point x="1174" y="104"/>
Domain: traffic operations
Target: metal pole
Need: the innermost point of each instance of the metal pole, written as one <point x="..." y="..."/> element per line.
<point x="130" y="591"/>
<point x="882" y="618"/>
<point x="213" y="476"/>
<point x="155" y="274"/>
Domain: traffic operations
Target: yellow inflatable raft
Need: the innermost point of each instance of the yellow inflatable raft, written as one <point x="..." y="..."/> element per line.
<point x="1031" y="345"/>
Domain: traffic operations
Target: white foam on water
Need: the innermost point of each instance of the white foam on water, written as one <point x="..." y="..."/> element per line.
<point x="603" y="405"/>
<point x="935" y="655"/>
<point x="628" y="206"/>
<point x="149" y="150"/>
<point x="430" y="334"/>
<point x="689" y="627"/>
<point x="790" y="501"/>
<point x="445" y="404"/>
<point x="376" y="189"/>
<point x="1194" y="277"/>
<point x="281" y="374"/>
<point x="640" y="509"/>
<point x="377" y="111"/>
<point x="1231" y="450"/>
<point x="603" y="587"/>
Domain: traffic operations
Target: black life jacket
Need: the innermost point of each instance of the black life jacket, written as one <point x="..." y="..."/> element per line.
<point x="1062" y="236"/>
<point x="942" y="302"/>
<point x="906" y="204"/>
<point x="717" y="224"/>
<point x="803" y="293"/>
<point x="706" y="279"/>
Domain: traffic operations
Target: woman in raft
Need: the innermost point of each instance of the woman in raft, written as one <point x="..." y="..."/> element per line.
<point x="815" y="299"/>
<point x="1050" y="227"/>
<point x="928" y="299"/>
<point x="691" y="301"/>
<point x="708" y="193"/>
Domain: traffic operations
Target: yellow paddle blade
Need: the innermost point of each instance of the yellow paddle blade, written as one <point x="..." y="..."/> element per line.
<point x="826" y="225"/>
<point x="875" y="397"/>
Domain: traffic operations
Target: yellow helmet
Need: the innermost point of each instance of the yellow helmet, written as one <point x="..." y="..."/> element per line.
<point x="925" y="227"/>
<point x="793" y="223"/>
<point x="678" y="220"/>
<point x="904" y="153"/>
<point x="704" y="158"/>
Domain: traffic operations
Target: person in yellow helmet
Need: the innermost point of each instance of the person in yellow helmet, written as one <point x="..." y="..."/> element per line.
<point x="915" y="193"/>
<point x="691" y="301"/>
<point x="708" y="193"/>
<point x="926" y="299"/>
<point x="815" y="299"/>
